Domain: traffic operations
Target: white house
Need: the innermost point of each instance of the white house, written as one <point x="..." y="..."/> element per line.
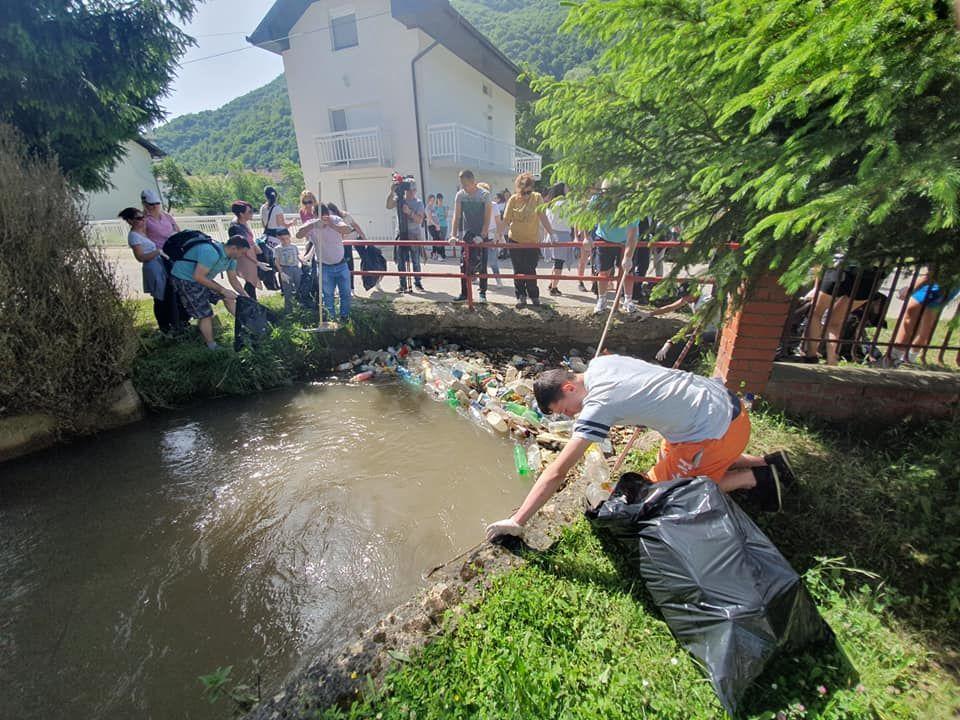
<point x="383" y="85"/>
<point x="132" y="174"/>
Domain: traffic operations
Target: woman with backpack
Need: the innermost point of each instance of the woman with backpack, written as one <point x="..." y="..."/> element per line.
<point x="247" y="261"/>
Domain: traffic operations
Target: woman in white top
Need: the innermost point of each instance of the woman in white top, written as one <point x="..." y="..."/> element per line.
<point x="271" y="214"/>
<point x="561" y="256"/>
<point x="154" y="271"/>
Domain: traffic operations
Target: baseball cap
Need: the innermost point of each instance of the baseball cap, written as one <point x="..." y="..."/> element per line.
<point x="150" y="197"/>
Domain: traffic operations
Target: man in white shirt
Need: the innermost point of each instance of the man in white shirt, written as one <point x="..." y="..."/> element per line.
<point x="705" y="429"/>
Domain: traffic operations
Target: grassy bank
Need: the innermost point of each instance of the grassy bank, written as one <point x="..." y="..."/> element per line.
<point x="170" y="371"/>
<point x="874" y="528"/>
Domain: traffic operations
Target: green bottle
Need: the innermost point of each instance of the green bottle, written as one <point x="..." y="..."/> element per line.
<point x="520" y="460"/>
<point x="452" y="400"/>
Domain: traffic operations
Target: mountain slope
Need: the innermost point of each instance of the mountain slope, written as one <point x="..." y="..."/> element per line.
<point x="257" y="128"/>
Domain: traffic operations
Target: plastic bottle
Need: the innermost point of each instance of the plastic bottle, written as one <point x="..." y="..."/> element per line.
<point x="748" y="399"/>
<point x="533" y="457"/>
<point x="362" y="377"/>
<point x="452" y="398"/>
<point x="520" y="461"/>
<point x="560" y="427"/>
<point x="476" y="411"/>
<point x="596" y="472"/>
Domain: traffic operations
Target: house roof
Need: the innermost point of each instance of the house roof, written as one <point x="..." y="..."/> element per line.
<point x="437" y="18"/>
<point x="154" y="150"/>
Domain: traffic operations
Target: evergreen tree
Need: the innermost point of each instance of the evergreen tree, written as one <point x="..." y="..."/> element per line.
<point x="799" y="128"/>
<point x="79" y="77"/>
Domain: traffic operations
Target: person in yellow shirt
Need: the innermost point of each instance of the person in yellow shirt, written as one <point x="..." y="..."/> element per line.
<point x="522" y="215"/>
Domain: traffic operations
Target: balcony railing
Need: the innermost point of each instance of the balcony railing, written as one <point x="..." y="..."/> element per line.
<point x="452" y="143"/>
<point x="351" y="147"/>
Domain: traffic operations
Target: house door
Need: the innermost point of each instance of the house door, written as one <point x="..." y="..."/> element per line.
<point x="365" y="199"/>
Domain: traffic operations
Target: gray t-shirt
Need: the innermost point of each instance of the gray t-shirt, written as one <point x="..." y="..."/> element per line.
<point x="681" y="406"/>
<point x="287" y="256"/>
<point x="414" y="229"/>
<point x="473" y="206"/>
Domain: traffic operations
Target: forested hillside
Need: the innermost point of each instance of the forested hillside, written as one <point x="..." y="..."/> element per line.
<point x="257" y="128"/>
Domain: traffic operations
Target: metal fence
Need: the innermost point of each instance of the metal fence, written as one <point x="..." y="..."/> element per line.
<point x="884" y="314"/>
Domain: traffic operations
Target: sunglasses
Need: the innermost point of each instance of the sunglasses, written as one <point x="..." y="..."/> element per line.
<point x="308" y="202"/>
<point x="137" y="218"/>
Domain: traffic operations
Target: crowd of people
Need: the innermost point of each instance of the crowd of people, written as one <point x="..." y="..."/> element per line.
<point x="532" y="226"/>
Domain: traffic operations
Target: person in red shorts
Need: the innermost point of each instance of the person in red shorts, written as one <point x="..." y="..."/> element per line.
<point x="705" y="429"/>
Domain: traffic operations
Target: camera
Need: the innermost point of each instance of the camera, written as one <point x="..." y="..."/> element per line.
<point x="401" y="183"/>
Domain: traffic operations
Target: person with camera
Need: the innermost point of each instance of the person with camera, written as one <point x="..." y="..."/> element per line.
<point x="410" y="215"/>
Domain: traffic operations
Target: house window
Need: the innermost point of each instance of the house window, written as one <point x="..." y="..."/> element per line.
<point x="343" y="31"/>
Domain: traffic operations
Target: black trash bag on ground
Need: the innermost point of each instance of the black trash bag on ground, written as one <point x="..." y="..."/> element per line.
<point x="308" y="291"/>
<point x="727" y="594"/>
<point x="251" y="323"/>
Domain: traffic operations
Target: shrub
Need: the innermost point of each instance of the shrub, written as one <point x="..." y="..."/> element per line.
<point x="66" y="338"/>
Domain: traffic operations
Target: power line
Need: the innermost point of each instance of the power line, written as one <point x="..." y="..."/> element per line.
<point x="286" y="37"/>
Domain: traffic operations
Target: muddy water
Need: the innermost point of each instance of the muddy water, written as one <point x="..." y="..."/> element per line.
<point x="242" y="532"/>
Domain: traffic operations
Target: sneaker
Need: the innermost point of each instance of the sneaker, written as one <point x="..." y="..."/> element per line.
<point x="781" y="462"/>
<point x="460" y="298"/>
<point x="581" y="287"/>
<point x="767" y="492"/>
<point x="482" y="299"/>
<point x="535" y="301"/>
<point x="627" y="307"/>
<point x="555" y="291"/>
<point x="419" y="286"/>
<point x="402" y="289"/>
<point x="600" y="306"/>
<point x="521" y="303"/>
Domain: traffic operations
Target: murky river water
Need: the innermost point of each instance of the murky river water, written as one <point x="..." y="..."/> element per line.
<point x="244" y="531"/>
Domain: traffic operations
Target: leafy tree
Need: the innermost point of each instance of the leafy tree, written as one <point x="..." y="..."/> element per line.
<point x="211" y="195"/>
<point x="246" y="184"/>
<point x="797" y="127"/>
<point x="291" y="183"/>
<point x="175" y="184"/>
<point x="80" y="77"/>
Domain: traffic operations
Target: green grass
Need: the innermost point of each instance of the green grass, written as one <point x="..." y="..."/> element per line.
<point x="171" y="371"/>
<point x="572" y="635"/>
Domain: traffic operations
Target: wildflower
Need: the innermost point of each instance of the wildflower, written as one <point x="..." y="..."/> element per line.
<point x="353" y="676"/>
<point x="773" y="685"/>
<point x="860" y="688"/>
<point x="781" y="715"/>
<point x="822" y="690"/>
<point x="646" y="683"/>
<point x="674" y="661"/>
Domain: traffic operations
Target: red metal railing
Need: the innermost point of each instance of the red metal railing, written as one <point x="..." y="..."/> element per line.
<point x="467" y="250"/>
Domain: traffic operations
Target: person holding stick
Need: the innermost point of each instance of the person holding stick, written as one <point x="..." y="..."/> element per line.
<point x="705" y="429"/>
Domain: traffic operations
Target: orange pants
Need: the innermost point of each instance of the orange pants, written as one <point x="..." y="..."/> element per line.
<point x="711" y="458"/>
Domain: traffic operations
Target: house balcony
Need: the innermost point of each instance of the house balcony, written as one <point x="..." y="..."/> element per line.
<point x="452" y="144"/>
<point x="352" y="148"/>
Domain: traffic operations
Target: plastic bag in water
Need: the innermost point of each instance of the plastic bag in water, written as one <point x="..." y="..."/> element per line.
<point x="728" y="595"/>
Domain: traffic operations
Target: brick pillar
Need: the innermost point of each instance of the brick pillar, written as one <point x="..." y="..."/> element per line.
<point x="751" y="336"/>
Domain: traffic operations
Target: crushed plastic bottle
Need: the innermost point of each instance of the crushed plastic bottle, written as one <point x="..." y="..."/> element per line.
<point x="563" y="428"/>
<point x="496" y="421"/>
<point x="362" y="377"/>
<point x="534" y="457"/>
<point x="596" y="472"/>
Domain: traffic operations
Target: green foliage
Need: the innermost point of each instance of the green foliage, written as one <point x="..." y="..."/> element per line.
<point x="254" y="130"/>
<point x="175" y="184"/>
<point x="291" y="183"/>
<point x="211" y="195"/>
<point x="799" y="128"/>
<point x="79" y="78"/>
<point x="66" y="339"/>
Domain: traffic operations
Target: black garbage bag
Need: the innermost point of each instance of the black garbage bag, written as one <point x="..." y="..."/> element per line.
<point x="308" y="292"/>
<point x="251" y="323"/>
<point x="727" y="594"/>
<point x="371" y="260"/>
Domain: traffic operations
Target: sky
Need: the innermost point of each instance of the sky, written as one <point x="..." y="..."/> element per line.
<point x="220" y="26"/>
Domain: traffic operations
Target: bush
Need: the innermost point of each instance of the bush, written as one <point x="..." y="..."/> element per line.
<point x="66" y="338"/>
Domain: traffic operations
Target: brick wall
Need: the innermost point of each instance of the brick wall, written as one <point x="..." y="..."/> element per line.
<point x="863" y="395"/>
<point x="750" y="337"/>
